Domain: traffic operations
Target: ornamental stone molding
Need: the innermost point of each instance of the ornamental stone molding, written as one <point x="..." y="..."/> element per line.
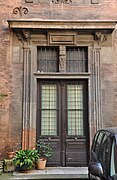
<point x="19" y="36"/>
<point x="94" y="1"/>
<point x="62" y="1"/>
<point x="20" y="10"/>
<point x="23" y="35"/>
<point x="100" y="37"/>
<point x="62" y="59"/>
<point x="26" y="34"/>
<point x="29" y="1"/>
<point x="79" y="2"/>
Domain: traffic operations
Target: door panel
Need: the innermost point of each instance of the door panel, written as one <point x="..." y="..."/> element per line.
<point x="76" y="154"/>
<point x="62" y="120"/>
<point x="76" y="119"/>
<point x="55" y="160"/>
<point x="48" y="124"/>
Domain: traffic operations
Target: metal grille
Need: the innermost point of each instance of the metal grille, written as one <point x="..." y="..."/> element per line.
<point x="47" y="60"/>
<point x="49" y="110"/>
<point x="77" y="59"/>
<point x="75" y="109"/>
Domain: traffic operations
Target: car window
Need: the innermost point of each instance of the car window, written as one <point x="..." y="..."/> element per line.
<point x="98" y="143"/>
<point x="103" y="156"/>
<point x="104" y="138"/>
<point x="94" y="141"/>
<point x="104" y="152"/>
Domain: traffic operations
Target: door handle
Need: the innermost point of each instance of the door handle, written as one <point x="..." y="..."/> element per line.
<point x="49" y="138"/>
<point x="65" y="132"/>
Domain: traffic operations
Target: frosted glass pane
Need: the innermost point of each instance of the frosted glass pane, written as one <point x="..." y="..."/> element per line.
<point x="49" y="110"/>
<point x="75" y="96"/>
<point x="75" y="109"/>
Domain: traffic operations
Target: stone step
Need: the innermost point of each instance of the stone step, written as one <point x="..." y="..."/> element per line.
<point x="54" y="173"/>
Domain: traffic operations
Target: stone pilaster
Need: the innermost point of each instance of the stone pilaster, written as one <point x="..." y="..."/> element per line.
<point x="26" y="97"/>
<point x="95" y="91"/>
<point x="29" y="95"/>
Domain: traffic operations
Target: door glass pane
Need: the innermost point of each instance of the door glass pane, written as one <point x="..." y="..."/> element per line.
<point x="75" y="109"/>
<point x="49" y="110"/>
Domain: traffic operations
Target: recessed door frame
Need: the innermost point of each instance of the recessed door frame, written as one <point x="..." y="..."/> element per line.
<point x="61" y="141"/>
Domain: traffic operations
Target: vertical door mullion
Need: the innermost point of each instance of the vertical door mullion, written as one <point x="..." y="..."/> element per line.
<point x="38" y="126"/>
<point x="63" y="123"/>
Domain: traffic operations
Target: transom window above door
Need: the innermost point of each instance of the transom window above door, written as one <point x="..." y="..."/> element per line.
<point x="69" y="59"/>
<point x="76" y="59"/>
<point x="48" y="59"/>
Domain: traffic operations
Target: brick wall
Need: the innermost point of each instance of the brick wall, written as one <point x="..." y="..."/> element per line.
<point x="11" y="72"/>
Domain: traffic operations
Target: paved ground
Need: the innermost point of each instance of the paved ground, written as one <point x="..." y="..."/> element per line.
<point x="49" y="173"/>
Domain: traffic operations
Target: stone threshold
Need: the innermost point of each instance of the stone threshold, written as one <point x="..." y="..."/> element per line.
<point x="53" y="173"/>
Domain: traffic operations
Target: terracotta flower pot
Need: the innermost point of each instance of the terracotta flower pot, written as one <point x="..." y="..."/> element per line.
<point x="41" y="164"/>
<point x="10" y="154"/>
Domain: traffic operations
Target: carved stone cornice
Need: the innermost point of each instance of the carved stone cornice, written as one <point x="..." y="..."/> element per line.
<point x="65" y="24"/>
<point x="100" y="37"/>
<point x="62" y="1"/>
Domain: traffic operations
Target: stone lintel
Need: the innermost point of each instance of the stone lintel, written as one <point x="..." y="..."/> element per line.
<point x="61" y="24"/>
<point x="60" y="75"/>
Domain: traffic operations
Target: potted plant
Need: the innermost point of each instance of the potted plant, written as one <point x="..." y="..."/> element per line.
<point x="24" y="160"/>
<point x="45" y="152"/>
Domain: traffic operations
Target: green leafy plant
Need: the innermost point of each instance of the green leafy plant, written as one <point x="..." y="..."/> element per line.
<point x="25" y="159"/>
<point x="44" y="149"/>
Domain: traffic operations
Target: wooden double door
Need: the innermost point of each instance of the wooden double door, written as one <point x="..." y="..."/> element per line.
<point x="62" y="120"/>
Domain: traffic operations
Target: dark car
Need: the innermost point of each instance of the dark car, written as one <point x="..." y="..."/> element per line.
<point x="103" y="165"/>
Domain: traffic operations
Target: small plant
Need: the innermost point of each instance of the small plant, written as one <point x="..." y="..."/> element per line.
<point x="25" y="159"/>
<point x="44" y="150"/>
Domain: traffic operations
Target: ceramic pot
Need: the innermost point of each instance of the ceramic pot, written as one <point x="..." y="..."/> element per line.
<point x="41" y="164"/>
<point x="10" y="154"/>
